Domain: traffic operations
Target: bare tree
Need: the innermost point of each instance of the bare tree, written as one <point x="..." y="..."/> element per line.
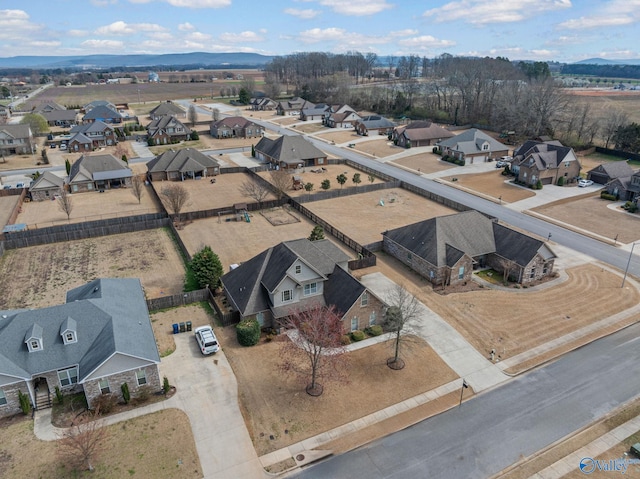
<point x="83" y="442"/>
<point x="192" y="115"/>
<point x="506" y="265"/>
<point x="614" y="119"/>
<point x="137" y="187"/>
<point x="281" y="180"/>
<point x="254" y="190"/>
<point x="403" y="307"/>
<point x="316" y="352"/>
<point x="176" y="197"/>
<point x="64" y="203"/>
<point x="215" y="114"/>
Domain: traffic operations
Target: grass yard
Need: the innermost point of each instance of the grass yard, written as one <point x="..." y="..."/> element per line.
<point x="156" y="445"/>
<point x="492" y="184"/>
<point x="275" y="404"/>
<point x="40" y="276"/>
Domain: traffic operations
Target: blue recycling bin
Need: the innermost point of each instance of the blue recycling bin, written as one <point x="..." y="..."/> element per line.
<point x="175" y="328"/>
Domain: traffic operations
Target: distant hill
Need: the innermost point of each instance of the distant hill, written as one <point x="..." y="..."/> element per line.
<point x="201" y="59"/>
<point x="604" y="61"/>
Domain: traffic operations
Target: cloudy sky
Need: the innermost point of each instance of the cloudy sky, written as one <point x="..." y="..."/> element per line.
<point x="561" y="30"/>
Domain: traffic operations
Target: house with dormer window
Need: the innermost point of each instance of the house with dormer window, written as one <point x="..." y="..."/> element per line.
<point x="297" y="274"/>
<point x="473" y="146"/>
<point x="545" y="161"/>
<point x="98" y="340"/>
<point x="167" y="129"/>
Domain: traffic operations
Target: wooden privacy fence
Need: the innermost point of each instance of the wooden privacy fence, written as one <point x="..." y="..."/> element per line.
<point x="181" y="299"/>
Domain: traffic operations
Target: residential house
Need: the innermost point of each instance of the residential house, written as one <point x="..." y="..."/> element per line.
<point x="293" y="106"/>
<point x="181" y="164"/>
<point x="98" y="172"/>
<point x="262" y="104"/>
<point x="316" y="112"/>
<point x="545" y="161"/>
<point x="5" y="113"/>
<point x="16" y="140"/>
<point x="446" y="249"/>
<point x="46" y="186"/>
<point x="167" y="129"/>
<point x="625" y="188"/>
<point x="235" y="127"/>
<point x="419" y="133"/>
<point x="473" y="146"/>
<point x="103" y="113"/>
<point x="61" y="118"/>
<point x="374" y="123"/>
<point x="289" y="152"/>
<point x="98" y="340"/>
<point x="297" y="274"/>
<point x="607" y="172"/>
<point x="167" y="108"/>
<point x="345" y="119"/>
<point x="89" y="136"/>
<point x="48" y="107"/>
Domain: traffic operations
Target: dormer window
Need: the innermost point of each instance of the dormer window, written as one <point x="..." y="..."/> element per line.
<point x="68" y="331"/>
<point x="33" y="338"/>
<point x="298" y="269"/>
<point x="34" y="344"/>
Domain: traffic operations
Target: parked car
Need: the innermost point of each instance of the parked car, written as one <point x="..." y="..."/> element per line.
<point x="63" y="146"/>
<point x="53" y="145"/>
<point x="501" y="163"/>
<point x="206" y="340"/>
<point x="582" y="183"/>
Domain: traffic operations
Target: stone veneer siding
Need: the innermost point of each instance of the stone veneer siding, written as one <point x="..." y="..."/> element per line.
<point x="364" y="312"/>
<point x="92" y="388"/>
<point x="11" y="393"/>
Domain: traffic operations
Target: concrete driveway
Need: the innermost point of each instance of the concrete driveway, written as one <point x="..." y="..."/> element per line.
<point x="207" y="392"/>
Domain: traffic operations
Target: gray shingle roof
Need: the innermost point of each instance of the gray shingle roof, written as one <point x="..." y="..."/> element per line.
<point x="614" y="169"/>
<point x="544" y="155"/>
<point x="186" y="159"/>
<point x="289" y="149"/>
<point x="102" y="111"/>
<point x="113" y="319"/>
<point x="98" y="167"/>
<point x="468" y="142"/>
<point x="424" y="130"/>
<point x="47" y="180"/>
<point x="167" y="108"/>
<point x="164" y="122"/>
<point x="233" y="122"/>
<point x="16" y="131"/>
<point x="373" y="122"/>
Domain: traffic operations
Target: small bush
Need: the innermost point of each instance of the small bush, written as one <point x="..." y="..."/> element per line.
<point x="632" y="208"/>
<point x="607" y="196"/>
<point x="561" y="181"/>
<point x="126" y="395"/>
<point x="345" y="340"/>
<point x="165" y="385"/>
<point x="151" y="142"/>
<point x="142" y="395"/>
<point x="59" y="396"/>
<point x="375" y="330"/>
<point x="105" y="403"/>
<point x="25" y="403"/>
<point x="194" y="135"/>
<point x="248" y="332"/>
<point x="538" y="185"/>
<point x="357" y="335"/>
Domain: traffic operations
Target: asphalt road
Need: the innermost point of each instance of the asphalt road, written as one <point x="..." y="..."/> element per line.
<point x="493" y="430"/>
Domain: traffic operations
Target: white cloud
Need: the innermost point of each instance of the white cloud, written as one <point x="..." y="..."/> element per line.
<point x="316" y="35"/>
<point x="242" y="37"/>
<point x="103" y="3"/>
<point x="357" y="7"/>
<point x="425" y="41"/>
<point x="304" y="14"/>
<point x="198" y="37"/>
<point x="483" y="12"/>
<point x="596" y="22"/>
<point x="78" y="33"/>
<point x="122" y="28"/>
<point x="15" y="23"/>
<point x="403" y="33"/>
<point x="103" y="44"/>
<point x="519" y="53"/>
<point x="186" y="27"/>
<point x="45" y="44"/>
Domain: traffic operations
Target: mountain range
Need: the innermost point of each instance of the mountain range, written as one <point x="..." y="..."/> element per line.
<point x="604" y="61"/>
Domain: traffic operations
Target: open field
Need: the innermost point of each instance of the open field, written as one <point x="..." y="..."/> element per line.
<point x="379" y="148"/>
<point x="363" y="219"/>
<point x="492" y="184"/>
<point x="40" y="276"/>
<point x="602" y="100"/>
<point x="162" y="323"/>
<point x="340" y="135"/>
<point x="163" y="447"/>
<point x="88" y="206"/>
<point x="204" y="195"/>
<point x="593" y="214"/>
<point x="238" y="241"/>
<point x="275" y="403"/>
<point x="425" y="163"/>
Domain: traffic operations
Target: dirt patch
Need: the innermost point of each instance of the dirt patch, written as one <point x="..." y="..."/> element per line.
<point x="593" y="214"/>
<point x="492" y="184"/>
<point x="362" y="217"/>
<point x="278" y="412"/>
<point x="164" y="447"/>
<point x="279" y="216"/>
<point x="40" y="276"/>
<point x="163" y="321"/>
<point x="424" y="163"/>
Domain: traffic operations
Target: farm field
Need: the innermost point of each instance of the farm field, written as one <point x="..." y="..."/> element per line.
<point x="601" y="100"/>
<point x="40" y="276"/>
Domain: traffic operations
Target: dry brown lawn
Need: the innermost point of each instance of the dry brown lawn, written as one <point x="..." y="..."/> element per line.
<point x="162" y="323"/>
<point x="379" y="148"/>
<point x="89" y="206"/>
<point x="285" y="120"/>
<point x="275" y="404"/>
<point x="424" y="163"/>
<point x="155" y="445"/>
<point x="310" y="127"/>
<point x="40" y="276"/>
<point x="17" y="162"/>
<point x="340" y="135"/>
<point x="7" y="205"/>
<point x="592" y="214"/>
<point x="492" y="184"/>
<point x="362" y="218"/>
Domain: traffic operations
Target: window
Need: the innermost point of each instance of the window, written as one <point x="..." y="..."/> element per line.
<point x="372" y="318"/>
<point x="287" y="295"/>
<point x="545" y="269"/>
<point x="533" y="273"/>
<point x="3" y="398"/>
<point x="35" y="344"/>
<point x="485" y="147"/>
<point x="354" y="323"/>
<point x="364" y="299"/>
<point x="260" y="318"/>
<point x="68" y="377"/>
<point x="298" y="269"/>
<point x="69" y="337"/>
<point x="141" y="377"/>
<point x="461" y="272"/>
<point x="104" y="386"/>
<point x="311" y="288"/>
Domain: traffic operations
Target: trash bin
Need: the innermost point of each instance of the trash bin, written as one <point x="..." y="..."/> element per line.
<point x="188" y="325"/>
<point x="175" y="328"/>
<point x="182" y="328"/>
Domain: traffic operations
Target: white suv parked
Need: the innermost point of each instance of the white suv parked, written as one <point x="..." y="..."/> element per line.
<point x="206" y="339"/>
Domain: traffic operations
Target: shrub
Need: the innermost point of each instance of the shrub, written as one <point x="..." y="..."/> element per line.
<point x="59" y="396"/>
<point x="194" y="135"/>
<point x="538" y="185"/>
<point x="126" y="395"/>
<point x="357" y="335"/>
<point x="142" y="395"/>
<point x="151" y="142"/>
<point x="633" y="207"/>
<point x="375" y="330"/>
<point x="248" y="332"/>
<point x="345" y="340"/>
<point x="434" y="150"/>
<point x="561" y="181"/>
<point x="105" y="403"/>
<point x="25" y="403"/>
<point x="165" y="385"/>
<point x="607" y="196"/>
